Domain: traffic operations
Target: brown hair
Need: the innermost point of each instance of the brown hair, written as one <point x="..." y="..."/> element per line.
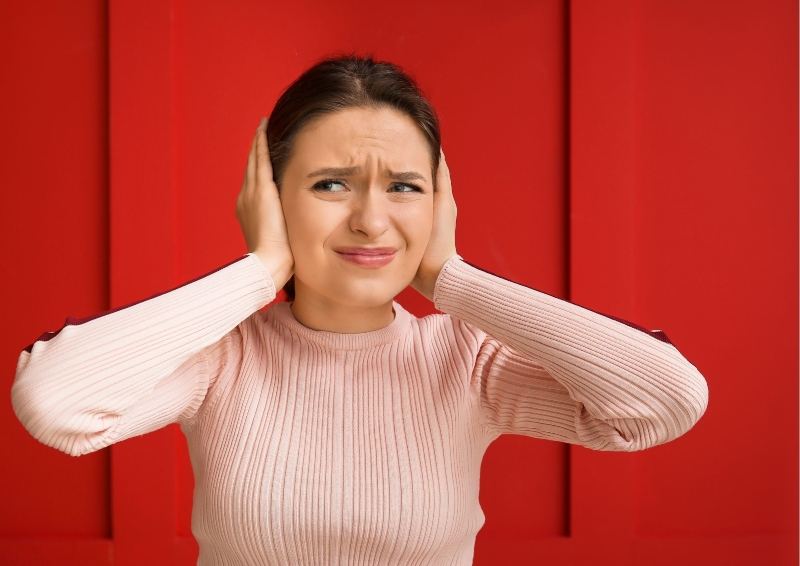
<point x="340" y="82"/>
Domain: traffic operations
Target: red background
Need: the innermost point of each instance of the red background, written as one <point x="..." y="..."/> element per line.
<point x="635" y="157"/>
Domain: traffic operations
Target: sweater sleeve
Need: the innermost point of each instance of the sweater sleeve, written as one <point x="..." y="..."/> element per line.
<point x="552" y="369"/>
<point x="137" y="368"/>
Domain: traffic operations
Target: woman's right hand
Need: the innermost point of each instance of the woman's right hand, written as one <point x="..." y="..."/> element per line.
<point x="260" y="213"/>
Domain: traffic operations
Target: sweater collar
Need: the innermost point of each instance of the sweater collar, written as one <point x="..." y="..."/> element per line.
<point x="282" y="314"/>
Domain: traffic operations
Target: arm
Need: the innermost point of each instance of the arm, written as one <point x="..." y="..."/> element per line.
<point x="552" y="369"/>
<point x="137" y="368"/>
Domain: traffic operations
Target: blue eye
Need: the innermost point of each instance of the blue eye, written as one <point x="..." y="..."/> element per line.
<point x="320" y="186"/>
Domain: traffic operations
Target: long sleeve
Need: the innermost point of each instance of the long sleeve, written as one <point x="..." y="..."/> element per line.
<point x="552" y="369"/>
<point x="139" y="367"/>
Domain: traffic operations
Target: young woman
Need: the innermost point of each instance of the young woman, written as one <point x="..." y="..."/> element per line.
<point x="337" y="426"/>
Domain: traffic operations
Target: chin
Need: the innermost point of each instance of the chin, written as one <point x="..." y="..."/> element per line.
<point x="367" y="295"/>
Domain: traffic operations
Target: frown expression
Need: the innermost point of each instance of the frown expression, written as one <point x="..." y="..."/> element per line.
<point x="385" y="199"/>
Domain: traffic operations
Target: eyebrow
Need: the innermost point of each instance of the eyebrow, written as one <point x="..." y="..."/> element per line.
<point x="346" y="171"/>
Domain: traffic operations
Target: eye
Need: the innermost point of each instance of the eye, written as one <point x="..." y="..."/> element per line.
<point x="320" y="186"/>
<point x="412" y="187"/>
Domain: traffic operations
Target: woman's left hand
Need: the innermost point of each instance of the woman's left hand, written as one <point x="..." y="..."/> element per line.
<point x="442" y="244"/>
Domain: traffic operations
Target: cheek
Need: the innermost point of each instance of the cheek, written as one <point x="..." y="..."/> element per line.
<point x="420" y="220"/>
<point x="417" y="226"/>
<point x="307" y="224"/>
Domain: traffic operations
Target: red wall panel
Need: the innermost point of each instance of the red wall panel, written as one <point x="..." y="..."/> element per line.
<point x="54" y="164"/>
<point x="637" y="158"/>
<point x="717" y="130"/>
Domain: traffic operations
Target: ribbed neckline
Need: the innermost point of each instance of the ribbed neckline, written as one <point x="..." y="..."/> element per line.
<point x="282" y="314"/>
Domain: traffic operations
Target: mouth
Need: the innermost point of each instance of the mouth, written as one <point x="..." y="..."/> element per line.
<point x="366" y="251"/>
<point x="371" y="260"/>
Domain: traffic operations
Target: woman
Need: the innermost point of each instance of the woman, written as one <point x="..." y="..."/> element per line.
<point x="337" y="425"/>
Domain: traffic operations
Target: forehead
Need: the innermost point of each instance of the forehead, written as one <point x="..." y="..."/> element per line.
<point x="343" y="137"/>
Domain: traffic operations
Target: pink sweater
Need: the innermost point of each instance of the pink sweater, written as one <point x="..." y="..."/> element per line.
<point x="314" y="447"/>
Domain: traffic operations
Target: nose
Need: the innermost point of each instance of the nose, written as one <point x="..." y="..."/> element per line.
<point x="369" y="212"/>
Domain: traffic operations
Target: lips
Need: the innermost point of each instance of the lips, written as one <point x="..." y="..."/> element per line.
<point x="366" y="251"/>
<point x="367" y="260"/>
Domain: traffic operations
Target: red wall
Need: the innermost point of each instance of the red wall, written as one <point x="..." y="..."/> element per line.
<point x="638" y="158"/>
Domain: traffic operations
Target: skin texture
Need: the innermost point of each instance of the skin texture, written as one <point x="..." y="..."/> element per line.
<point x="367" y="208"/>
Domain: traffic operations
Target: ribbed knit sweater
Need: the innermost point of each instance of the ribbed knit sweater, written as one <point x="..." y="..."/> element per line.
<point x="317" y="447"/>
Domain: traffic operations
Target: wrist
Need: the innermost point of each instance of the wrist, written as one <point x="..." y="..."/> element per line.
<point x="279" y="272"/>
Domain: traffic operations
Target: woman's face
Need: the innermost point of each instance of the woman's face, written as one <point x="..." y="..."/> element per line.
<point x="369" y="205"/>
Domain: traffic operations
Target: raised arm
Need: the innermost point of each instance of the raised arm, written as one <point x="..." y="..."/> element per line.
<point x="139" y="367"/>
<point x="551" y="369"/>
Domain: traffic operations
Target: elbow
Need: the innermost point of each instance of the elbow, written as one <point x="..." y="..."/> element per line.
<point x="666" y="421"/>
<point x="689" y="401"/>
<point x="689" y="404"/>
<point x="30" y="407"/>
<point x="55" y="426"/>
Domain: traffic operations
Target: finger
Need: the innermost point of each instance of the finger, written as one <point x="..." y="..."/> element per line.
<point x="443" y="174"/>
<point x="436" y="181"/>
<point x="251" y="161"/>
<point x="263" y="165"/>
<point x="246" y="174"/>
